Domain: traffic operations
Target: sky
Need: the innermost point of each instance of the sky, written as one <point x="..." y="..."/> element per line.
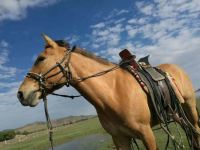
<point x="167" y="30"/>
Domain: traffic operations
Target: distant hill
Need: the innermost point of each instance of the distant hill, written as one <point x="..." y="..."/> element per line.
<point x="39" y="126"/>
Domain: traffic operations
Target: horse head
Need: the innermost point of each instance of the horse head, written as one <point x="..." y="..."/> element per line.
<point x="46" y="74"/>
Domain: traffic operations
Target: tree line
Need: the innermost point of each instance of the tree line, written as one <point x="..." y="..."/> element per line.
<point x="7" y="135"/>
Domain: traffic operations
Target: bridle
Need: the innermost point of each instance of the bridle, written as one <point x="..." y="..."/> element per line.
<point x="43" y="85"/>
<point x="64" y="68"/>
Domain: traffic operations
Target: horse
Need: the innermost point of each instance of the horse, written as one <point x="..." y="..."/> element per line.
<point x="121" y="104"/>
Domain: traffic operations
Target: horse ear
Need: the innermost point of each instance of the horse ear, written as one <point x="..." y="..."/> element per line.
<point x="49" y="41"/>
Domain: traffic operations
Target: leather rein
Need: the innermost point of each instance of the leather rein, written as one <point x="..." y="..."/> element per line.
<point x="67" y="74"/>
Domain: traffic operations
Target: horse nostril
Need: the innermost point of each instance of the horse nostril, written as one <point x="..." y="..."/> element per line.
<point x="20" y="95"/>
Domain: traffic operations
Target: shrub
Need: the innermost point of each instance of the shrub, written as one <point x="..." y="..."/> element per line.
<point x="7" y="135"/>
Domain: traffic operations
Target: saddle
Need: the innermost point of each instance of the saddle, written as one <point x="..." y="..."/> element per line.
<point x="154" y="82"/>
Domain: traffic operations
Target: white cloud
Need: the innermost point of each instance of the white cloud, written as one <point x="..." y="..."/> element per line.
<point x="132" y="21"/>
<point x="17" y="9"/>
<point x="72" y="39"/>
<point x="168" y="30"/>
<point x="123" y="11"/>
<point x="99" y="25"/>
<point x="5" y="70"/>
<point x="115" y="12"/>
<point x="108" y="35"/>
<point x="120" y="20"/>
<point x="3" y="44"/>
<point x="8" y="86"/>
<point x="147" y="9"/>
<point x="131" y="31"/>
<point x="8" y="97"/>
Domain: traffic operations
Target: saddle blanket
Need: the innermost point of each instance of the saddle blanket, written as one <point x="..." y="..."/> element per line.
<point x="154" y="82"/>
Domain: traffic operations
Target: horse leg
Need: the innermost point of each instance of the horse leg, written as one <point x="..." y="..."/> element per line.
<point x="122" y="142"/>
<point x="191" y="112"/>
<point x="148" y="137"/>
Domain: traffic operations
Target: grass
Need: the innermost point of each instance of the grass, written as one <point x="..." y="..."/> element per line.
<point x="39" y="140"/>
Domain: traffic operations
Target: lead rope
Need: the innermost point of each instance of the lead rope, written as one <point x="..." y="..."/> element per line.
<point x="48" y="120"/>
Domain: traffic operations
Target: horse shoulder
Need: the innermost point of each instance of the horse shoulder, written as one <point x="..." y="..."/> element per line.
<point x="132" y="100"/>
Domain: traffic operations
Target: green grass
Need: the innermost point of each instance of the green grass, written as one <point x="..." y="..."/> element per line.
<point x="39" y="140"/>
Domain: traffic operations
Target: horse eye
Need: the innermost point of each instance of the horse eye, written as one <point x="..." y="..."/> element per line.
<point x="39" y="59"/>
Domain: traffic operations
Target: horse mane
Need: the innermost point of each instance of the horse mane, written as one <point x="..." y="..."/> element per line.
<point x="92" y="56"/>
<point x="83" y="52"/>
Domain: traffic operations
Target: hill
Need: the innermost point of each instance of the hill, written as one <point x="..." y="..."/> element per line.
<point x="62" y="134"/>
<point x="40" y="126"/>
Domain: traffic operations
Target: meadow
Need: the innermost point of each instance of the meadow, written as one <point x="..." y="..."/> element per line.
<point x="39" y="140"/>
<point x="63" y="134"/>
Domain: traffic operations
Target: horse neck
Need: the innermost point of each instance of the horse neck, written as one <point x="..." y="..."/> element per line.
<point x="94" y="89"/>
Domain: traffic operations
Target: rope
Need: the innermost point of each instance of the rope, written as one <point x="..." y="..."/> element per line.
<point x="67" y="96"/>
<point x="48" y="120"/>
<point x="95" y="75"/>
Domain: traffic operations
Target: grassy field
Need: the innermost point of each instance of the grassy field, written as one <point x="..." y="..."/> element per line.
<point x="39" y="140"/>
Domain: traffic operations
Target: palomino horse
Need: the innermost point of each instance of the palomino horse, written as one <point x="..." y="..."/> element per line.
<point x="120" y="102"/>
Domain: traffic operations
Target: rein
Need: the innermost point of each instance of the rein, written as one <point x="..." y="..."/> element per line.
<point x="67" y="74"/>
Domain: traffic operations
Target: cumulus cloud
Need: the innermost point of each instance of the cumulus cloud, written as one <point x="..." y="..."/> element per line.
<point x="8" y="96"/>
<point x="17" y="9"/>
<point x="116" y="12"/>
<point x="5" y="70"/>
<point x="99" y="25"/>
<point x="8" y="87"/>
<point x="167" y="30"/>
<point x="106" y="35"/>
<point x="72" y="39"/>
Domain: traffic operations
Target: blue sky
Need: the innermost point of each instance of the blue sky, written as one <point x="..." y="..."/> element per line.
<point x="168" y="30"/>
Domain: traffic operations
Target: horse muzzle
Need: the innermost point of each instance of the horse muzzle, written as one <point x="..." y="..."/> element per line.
<point x="20" y="96"/>
<point x="28" y="98"/>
